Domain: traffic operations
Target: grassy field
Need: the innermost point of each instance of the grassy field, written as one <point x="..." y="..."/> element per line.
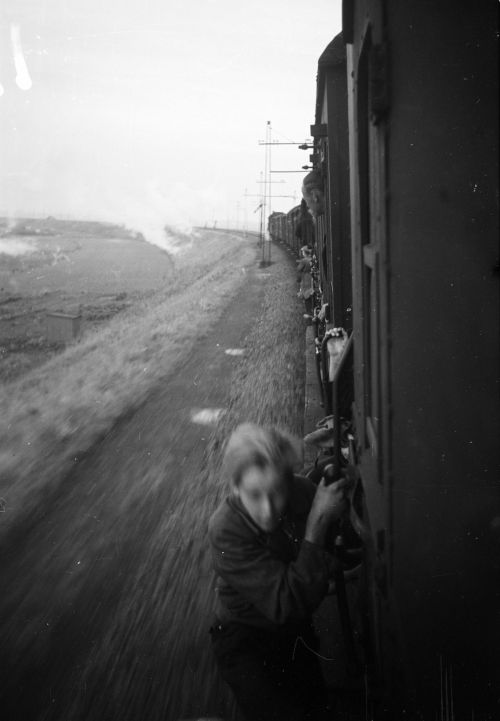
<point x="60" y="401"/>
<point x="87" y="269"/>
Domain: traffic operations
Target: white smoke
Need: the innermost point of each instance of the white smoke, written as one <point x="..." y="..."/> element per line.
<point x="163" y="213"/>
<point x="14" y="247"/>
<point x="160" y="215"/>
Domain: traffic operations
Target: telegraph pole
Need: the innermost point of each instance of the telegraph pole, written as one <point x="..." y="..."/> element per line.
<point x="267" y="195"/>
<point x="266" y="209"/>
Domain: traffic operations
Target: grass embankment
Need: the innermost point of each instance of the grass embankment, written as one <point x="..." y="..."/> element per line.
<point x="163" y="618"/>
<point x="267" y="387"/>
<point x="150" y="655"/>
<point x="58" y="411"/>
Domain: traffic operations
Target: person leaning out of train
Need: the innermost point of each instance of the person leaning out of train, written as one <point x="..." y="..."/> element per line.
<point x="304" y="230"/>
<point x="268" y="541"/>
<point x="304" y="278"/>
<point x="313" y="193"/>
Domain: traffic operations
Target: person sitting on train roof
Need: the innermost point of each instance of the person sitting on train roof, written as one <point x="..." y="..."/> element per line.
<point x="313" y="192"/>
<point x="268" y="543"/>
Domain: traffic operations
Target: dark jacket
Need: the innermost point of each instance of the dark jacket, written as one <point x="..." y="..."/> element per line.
<point x="304" y="277"/>
<point x="268" y="579"/>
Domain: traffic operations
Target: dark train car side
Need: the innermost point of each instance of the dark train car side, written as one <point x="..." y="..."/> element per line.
<point x="295" y="228"/>
<point x="406" y="143"/>
<point x="292" y="219"/>
<point x="331" y="159"/>
<point x="276" y="226"/>
<point x="423" y="118"/>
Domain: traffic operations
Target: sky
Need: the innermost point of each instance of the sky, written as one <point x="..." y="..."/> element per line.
<point x="151" y="111"/>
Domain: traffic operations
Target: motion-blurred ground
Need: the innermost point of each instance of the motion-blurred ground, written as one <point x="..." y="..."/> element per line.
<point x="107" y="585"/>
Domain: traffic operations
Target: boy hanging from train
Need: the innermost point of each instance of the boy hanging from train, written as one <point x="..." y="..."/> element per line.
<point x="269" y="541"/>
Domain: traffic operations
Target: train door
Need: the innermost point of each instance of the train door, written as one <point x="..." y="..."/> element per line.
<point x="371" y="330"/>
<point x="323" y="255"/>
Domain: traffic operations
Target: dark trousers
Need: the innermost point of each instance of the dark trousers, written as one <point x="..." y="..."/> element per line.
<point x="274" y="675"/>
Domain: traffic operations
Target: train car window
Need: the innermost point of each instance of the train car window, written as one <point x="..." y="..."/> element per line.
<point x="372" y="387"/>
<point x="363" y="143"/>
<point x="325" y="271"/>
<point x="369" y="189"/>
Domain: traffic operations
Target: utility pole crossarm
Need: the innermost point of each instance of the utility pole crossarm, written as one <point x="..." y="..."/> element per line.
<point x="274" y="196"/>
<point x="278" y="142"/>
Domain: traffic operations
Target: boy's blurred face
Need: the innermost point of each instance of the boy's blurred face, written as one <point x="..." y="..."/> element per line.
<point x="263" y="493"/>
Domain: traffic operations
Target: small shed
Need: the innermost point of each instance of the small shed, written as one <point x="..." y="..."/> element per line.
<point x="62" y="327"/>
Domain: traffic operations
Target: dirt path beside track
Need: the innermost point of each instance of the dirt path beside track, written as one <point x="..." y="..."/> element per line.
<point x="108" y="593"/>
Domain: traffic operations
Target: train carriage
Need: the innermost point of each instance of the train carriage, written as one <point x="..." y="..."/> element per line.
<point x="275" y="226"/>
<point x="331" y="159"/>
<point x="292" y="219"/>
<point x="406" y="142"/>
<point x="423" y="118"/>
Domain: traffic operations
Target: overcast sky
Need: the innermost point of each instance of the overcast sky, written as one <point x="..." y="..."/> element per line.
<point x="128" y="109"/>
